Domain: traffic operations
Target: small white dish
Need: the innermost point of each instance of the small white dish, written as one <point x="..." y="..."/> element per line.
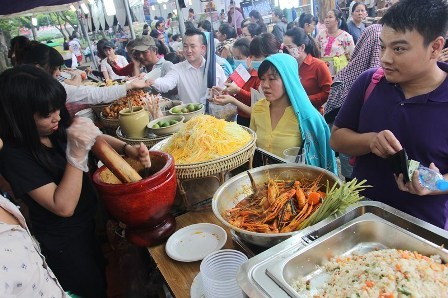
<point x="197" y="289"/>
<point x="195" y="242"/>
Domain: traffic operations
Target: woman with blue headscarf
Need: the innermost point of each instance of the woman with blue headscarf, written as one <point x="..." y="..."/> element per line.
<point x="286" y="118"/>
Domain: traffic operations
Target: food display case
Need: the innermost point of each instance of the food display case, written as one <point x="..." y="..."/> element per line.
<point x="362" y="228"/>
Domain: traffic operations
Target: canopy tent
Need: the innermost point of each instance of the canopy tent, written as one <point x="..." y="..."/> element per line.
<point x="29" y="8"/>
<point x="13" y="9"/>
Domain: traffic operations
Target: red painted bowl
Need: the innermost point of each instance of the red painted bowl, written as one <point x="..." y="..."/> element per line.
<point x="144" y="205"/>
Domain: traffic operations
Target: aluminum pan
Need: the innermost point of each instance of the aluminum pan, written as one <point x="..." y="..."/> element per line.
<point x="359" y="236"/>
<point x="252" y="276"/>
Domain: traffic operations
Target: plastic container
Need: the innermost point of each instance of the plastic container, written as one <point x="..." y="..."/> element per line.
<point x="218" y="272"/>
<point x="291" y="155"/>
<point x="431" y="179"/>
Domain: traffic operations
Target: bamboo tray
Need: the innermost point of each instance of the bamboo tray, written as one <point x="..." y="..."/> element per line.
<point x="215" y="166"/>
<point x="150" y="141"/>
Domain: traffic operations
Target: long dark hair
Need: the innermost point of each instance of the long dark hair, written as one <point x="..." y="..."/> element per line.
<point x="18" y="46"/>
<point x="100" y="48"/>
<point x="299" y="37"/>
<point x="280" y="14"/>
<point x="227" y="30"/>
<point x="260" y="22"/>
<point x="307" y="18"/>
<point x="264" y="45"/>
<point x="24" y="92"/>
<point x="342" y="24"/>
<point x="46" y="57"/>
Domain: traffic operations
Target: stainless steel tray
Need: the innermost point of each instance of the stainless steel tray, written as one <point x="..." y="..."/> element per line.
<point x="359" y="236"/>
<point x="362" y="228"/>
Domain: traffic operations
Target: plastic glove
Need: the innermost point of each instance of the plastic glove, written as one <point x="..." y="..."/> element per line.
<point x="81" y="137"/>
<point x="143" y="155"/>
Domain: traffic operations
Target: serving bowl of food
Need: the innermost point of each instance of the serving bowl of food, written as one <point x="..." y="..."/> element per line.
<point x="273" y="202"/>
<point x="188" y="110"/>
<point x="166" y="125"/>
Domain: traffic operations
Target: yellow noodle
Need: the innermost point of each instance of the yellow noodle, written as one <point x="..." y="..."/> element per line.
<point x="205" y="138"/>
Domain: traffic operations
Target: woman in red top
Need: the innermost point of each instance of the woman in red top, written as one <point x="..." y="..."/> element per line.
<point x="314" y="73"/>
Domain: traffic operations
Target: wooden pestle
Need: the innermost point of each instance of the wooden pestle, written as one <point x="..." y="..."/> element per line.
<point x="114" y="162"/>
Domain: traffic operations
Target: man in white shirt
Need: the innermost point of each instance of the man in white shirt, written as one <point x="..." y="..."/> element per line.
<point x="75" y="48"/>
<point x="190" y="76"/>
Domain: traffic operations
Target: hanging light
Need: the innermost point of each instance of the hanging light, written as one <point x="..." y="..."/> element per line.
<point x="34" y="21"/>
<point x="175" y="11"/>
<point x="189" y="2"/>
<point x="84" y="8"/>
<point x="72" y="7"/>
<point x="92" y="2"/>
<point x="153" y="7"/>
<point x="110" y="7"/>
<point x="164" y="6"/>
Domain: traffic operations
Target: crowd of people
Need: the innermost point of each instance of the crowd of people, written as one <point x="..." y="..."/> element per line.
<point x="364" y="92"/>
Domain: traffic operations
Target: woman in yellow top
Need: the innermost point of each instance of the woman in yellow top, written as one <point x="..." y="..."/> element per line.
<point x="286" y="117"/>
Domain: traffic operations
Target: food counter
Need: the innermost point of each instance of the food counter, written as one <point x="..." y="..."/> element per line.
<point x="269" y="273"/>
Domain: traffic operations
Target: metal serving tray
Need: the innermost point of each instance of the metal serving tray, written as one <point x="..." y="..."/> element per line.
<point x="370" y="225"/>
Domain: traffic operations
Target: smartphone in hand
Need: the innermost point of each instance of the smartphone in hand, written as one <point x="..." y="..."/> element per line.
<point x="399" y="164"/>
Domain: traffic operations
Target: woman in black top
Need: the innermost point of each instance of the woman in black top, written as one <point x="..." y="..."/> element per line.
<point x="44" y="160"/>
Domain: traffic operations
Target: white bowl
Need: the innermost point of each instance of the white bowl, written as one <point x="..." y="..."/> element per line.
<point x="188" y="115"/>
<point x="168" y="129"/>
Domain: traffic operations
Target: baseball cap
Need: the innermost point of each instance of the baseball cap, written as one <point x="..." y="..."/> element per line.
<point x="143" y="43"/>
<point x="109" y="45"/>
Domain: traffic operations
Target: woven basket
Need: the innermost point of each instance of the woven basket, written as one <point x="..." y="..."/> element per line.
<point x="109" y="122"/>
<point x="97" y="109"/>
<point x="216" y="166"/>
<point x="149" y="142"/>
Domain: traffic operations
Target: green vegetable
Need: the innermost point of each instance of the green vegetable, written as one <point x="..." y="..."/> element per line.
<point x="156" y="126"/>
<point x="198" y="107"/>
<point x="404" y="292"/>
<point x="339" y="197"/>
<point x="191" y="107"/>
<point x="172" y="122"/>
<point x="176" y="110"/>
<point x="185" y="110"/>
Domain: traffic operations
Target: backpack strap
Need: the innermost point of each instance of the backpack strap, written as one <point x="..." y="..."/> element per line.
<point x="376" y="78"/>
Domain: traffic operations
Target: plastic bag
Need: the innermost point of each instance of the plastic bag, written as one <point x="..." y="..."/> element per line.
<point x="227" y="112"/>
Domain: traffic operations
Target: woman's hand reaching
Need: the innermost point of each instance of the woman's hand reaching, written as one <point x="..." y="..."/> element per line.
<point x="223" y="100"/>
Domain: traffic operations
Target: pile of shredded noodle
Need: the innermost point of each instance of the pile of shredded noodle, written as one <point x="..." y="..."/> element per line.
<point x="205" y="138"/>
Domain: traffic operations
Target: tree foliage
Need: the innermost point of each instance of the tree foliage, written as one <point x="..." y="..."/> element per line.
<point x="11" y="26"/>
